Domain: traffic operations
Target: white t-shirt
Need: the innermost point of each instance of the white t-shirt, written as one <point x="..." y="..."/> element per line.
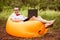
<point x="15" y="17"/>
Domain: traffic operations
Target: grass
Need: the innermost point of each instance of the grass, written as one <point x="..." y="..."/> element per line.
<point x="48" y="15"/>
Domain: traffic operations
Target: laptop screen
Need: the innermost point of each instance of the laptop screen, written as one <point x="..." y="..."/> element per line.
<point x="32" y="12"/>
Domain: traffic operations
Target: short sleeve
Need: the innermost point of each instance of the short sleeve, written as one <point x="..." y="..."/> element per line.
<point x="12" y="16"/>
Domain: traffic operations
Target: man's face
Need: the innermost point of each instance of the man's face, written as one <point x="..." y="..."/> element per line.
<point x="16" y="10"/>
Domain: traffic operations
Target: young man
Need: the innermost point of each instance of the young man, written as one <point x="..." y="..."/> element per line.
<point x="16" y="17"/>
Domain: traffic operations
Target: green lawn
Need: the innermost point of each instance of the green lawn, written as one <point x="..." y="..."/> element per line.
<point x="48" y="15"/>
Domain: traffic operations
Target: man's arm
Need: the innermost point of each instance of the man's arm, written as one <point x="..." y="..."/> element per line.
<point x="15" y="20"/>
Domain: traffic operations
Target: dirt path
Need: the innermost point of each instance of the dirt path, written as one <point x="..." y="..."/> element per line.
<point x="53" y="35"/>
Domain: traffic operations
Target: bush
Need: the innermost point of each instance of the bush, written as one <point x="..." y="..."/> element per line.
<point x="1" y="8"/>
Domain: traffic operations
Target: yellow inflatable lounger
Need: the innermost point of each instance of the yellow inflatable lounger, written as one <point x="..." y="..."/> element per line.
<point x="26" y="29"/>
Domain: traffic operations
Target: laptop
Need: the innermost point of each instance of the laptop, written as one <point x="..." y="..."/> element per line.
<point x="32" y="12"/>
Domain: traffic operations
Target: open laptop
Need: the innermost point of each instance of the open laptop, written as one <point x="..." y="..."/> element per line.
<point x="32" y="12"/>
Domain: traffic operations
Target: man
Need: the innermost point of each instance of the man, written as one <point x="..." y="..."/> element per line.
<point x="16" y="17"/>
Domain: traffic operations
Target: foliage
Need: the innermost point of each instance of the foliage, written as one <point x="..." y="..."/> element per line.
<point x="39" y="4"/>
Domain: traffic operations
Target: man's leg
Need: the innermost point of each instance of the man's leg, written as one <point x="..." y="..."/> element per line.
<point x="47" y="23"/>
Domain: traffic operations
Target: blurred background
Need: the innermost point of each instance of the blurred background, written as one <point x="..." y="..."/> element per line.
<point x="47" y="9"/>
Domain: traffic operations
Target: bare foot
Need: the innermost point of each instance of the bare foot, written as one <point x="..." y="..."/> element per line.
<point x="49" y="23"/>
